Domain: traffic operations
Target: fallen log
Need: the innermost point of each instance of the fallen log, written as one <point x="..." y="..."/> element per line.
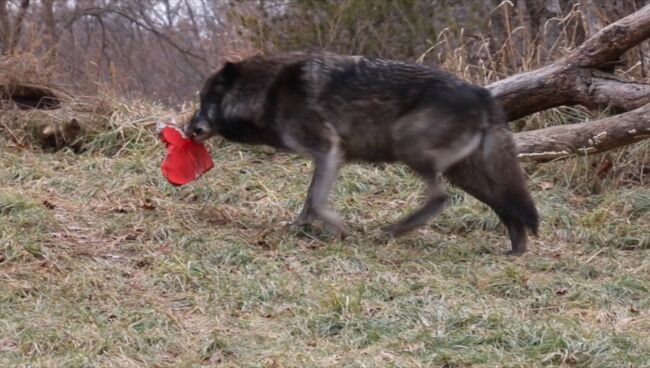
<point x="555" y="85"/>
<point x="31" y="96"/>
<point x="587" y="138"/>
<point x="582" y="78"/>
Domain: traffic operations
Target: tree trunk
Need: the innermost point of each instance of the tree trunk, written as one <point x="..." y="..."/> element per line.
<point x="4" y="27"/>
<point x="50" y="24"/>
<point x="14" y="34"/>
<point x="592" y="19"/>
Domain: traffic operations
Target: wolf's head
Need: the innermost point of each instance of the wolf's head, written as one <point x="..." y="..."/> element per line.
<point x="208" y="118"/>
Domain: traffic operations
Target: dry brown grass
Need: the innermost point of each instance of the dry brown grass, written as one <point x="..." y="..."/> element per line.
<point x="105" y="264"/>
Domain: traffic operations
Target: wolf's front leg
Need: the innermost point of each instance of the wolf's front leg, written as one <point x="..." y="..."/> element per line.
<point x="326" y="167"/>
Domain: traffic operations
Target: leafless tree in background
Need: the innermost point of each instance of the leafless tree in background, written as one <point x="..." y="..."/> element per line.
<point x="163" y="49"/>
<point x="159" y="49"/>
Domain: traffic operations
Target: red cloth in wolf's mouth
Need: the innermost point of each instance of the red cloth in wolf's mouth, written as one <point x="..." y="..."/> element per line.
<point x="186" y="160"/>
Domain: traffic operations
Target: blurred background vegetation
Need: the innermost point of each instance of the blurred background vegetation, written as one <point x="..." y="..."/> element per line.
<point x="163" y="49"/>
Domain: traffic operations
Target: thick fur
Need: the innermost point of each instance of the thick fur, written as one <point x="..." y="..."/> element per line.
<point x="335" y="108"/>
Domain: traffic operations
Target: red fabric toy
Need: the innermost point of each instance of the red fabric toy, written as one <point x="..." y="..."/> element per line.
<point x="186" y="160"/>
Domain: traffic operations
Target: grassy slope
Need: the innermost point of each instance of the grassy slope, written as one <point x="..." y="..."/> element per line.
<point x="105" y="264"/>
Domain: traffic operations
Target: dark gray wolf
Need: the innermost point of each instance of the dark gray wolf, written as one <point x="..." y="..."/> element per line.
<point x="334" y="108"/>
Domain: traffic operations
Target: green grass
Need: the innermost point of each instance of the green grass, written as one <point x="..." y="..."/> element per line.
<point x="104" y="264"/>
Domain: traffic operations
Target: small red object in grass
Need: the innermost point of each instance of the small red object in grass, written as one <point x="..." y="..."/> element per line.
<point x="186" y="159"/>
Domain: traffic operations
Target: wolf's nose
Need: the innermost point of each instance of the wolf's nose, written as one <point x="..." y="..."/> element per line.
<point x="197" y="131"/>
<point x="193" y="130"/>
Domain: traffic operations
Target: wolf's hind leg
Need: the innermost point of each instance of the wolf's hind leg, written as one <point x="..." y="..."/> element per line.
<point x="427" y="163"/>
<point x="428" y="210"/>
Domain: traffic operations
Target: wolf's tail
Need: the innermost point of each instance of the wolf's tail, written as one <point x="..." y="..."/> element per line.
<point x="492" y="174"/>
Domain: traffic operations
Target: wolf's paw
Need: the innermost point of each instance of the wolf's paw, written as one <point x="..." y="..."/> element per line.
<point x="516" y="252"/>
<point x="337" y="230"/>
<point x="395" y="230"/>
<point x="331" y="222"/>
<point x="304" y="219"/>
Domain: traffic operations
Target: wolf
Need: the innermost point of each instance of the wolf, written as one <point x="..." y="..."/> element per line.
<point x="338" y="108"/>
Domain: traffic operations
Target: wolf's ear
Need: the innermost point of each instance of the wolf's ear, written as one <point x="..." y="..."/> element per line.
<point x="227" y="75"/>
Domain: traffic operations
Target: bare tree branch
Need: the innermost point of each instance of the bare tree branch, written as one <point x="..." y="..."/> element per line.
<point x="611" y="42"/>
<point x="98" y="12"/>
<point x="570" y="80"/>
<point x="608" y="90"/>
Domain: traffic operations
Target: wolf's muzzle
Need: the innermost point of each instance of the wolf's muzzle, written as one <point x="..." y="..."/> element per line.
<point x="198" y="129"/>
